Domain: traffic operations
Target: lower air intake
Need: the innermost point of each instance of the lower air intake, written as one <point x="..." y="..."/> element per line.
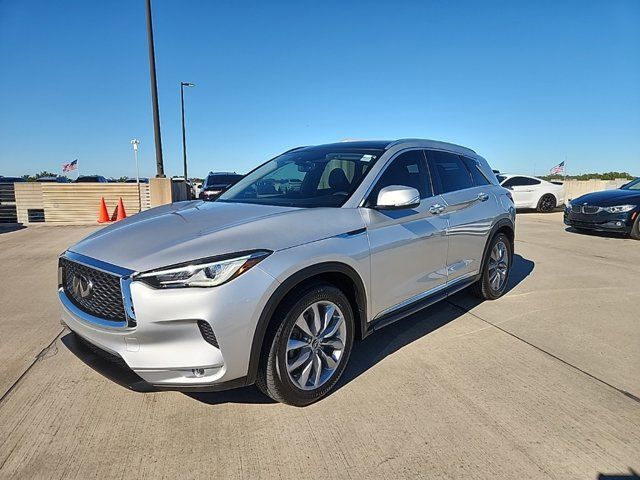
<point x="207" y="333"/>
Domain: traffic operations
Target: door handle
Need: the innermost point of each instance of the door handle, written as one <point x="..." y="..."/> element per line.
<point x="483" y="197"/>
<point x="436" y="209"/>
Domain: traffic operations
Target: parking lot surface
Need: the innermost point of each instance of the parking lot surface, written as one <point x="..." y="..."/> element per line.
<point x="543" y="383"/>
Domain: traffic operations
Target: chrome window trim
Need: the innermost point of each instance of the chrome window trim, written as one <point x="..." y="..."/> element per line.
<point x="125" y="275"/>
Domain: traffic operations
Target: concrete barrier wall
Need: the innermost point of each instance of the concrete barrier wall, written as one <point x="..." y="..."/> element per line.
<point x="77" y="203"/>
<point x="28" y="200"/>
<point x="575" y="188"/>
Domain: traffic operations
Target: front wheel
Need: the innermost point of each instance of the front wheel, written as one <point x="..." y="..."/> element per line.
<point x="495" y="272"/>
<point x="309" y="347"/>
<point x="635" y="230"/>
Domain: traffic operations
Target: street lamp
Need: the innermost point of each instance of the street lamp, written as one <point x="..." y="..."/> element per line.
<point x="184" y="135"/>
<point x="154" y="93"/>
<point x="134" y="144"/>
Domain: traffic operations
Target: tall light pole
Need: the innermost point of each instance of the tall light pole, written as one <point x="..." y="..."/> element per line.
<point x="134" y="144"/>
<point x="184" y="134"/>
<point x="154" y="93"/>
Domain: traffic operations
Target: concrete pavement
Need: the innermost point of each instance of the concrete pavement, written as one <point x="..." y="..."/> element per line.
<point x="543" y="383"/>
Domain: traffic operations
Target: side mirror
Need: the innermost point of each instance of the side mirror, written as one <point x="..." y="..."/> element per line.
<point x="395" y="197"/>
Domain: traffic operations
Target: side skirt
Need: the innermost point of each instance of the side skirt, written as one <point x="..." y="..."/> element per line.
<point x="418" y="305"/>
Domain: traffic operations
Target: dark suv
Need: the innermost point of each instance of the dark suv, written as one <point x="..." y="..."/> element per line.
<point x="216" y="183"/>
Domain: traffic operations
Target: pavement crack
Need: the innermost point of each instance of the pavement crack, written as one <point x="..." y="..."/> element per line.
<point x="546" y="352"/>
<point x="47" y="352"/>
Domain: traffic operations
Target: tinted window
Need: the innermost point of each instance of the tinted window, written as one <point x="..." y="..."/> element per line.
<point x="477" y="176"/>
<point x="520" y="181"/>
<point x="408" y="169"/>
<point x="310" y="177"/>
<point x="634" y="185"/>
<point x="449" y="171"/>
<point x="222" y="179"/>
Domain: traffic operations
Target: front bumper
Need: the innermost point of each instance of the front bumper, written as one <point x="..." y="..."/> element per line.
<point x="167" y="348"/>
<point x="601" y="221"/>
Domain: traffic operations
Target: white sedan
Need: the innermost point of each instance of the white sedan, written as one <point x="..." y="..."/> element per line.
<point x="533" y="192"/>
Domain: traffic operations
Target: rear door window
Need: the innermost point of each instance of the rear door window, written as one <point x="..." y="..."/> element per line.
<point x="448" y="171"/>
<point x="476" y="174"/>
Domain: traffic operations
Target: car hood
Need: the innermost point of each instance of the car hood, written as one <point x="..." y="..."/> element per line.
<point x="185" y="231"/>
<point x="608" y="198"/>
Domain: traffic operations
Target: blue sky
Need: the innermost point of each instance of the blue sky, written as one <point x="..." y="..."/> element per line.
<point x="523" y="84"/>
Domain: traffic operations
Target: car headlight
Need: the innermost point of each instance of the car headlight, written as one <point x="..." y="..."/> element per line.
<point x="619" y="208"/>
<point x="209" y="272"/>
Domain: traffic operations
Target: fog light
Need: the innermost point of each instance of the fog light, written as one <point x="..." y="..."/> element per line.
<point x="198" y="372"/>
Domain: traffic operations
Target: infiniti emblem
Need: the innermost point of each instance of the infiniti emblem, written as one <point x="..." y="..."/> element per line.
<point x="82" y="287"/>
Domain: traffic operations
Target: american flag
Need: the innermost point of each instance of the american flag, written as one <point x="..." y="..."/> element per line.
<point x="68" y="167"/>
<point x="557" y="169"/>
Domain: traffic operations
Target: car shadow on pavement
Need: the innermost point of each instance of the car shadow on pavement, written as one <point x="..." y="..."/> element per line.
<point x="114" y="369"/>
<point x="387" y="341"/>
<point x="11" y="228"/>
<point x="632" y="475"/>
<point x="594" y="233"/>
<point x="365" y="354"/>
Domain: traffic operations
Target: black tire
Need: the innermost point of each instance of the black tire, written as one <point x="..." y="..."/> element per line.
<point x="273" y="379"/>
<point x="547" y="203"/>
<point x="635" y="230"/>
<point x="483" y="288"/>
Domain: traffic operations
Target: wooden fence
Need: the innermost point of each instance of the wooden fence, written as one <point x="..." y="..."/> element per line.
<point x="75" y="203"/>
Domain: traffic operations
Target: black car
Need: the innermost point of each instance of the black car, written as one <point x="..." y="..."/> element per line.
<point x="53" y="180"/>
<point x="11" y="179"/>
<point x="216" y="183"/>
<point x="607" y="211"/>
<point x="91" y="179"/>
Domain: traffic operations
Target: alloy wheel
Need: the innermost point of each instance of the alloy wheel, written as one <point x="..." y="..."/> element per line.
<point x="498" y="266"/>
<point x="547" y="203"/>
<point x="316" y="344"/>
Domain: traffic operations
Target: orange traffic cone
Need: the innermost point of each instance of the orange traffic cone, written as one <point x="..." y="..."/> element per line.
<point x="103" y="215"/>
<point x="121" y="212"/>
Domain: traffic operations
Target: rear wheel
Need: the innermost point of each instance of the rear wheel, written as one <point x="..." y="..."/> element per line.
<point x="547" y="203"/>
<point x="495" y="272"/>
<point x="308" y="347"/>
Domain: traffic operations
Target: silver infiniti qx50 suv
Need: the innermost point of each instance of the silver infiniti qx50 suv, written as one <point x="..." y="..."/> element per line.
<point x="272" y="283"/>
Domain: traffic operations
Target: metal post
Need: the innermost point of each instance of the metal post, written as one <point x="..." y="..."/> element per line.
<point x="184" y="135"/>
<point x="135" y="143"/>
<point x="154" y="94"/>
<point x="184" y="131"/>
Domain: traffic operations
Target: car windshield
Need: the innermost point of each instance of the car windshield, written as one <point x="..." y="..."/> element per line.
<point x="223" y="179"/>
<point x="635" y="185"/>
<point x="501" y="178"/>
<point x="311" y="177"/>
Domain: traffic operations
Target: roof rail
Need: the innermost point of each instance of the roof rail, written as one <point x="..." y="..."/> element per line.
<point x="402" y="140"/>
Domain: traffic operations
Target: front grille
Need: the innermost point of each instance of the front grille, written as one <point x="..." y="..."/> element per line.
<point x="590" y="209"/>
<point x="207" y="333"/>
<point x="105" y="297"/>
